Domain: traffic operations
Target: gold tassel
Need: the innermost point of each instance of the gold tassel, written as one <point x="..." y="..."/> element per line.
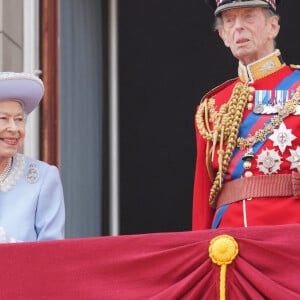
<point x="223" y="250"/>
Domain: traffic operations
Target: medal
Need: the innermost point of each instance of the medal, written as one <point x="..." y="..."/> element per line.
<point x="269" y="161"/>
<point x="258" y="109"/>
<point x="295" y="159"/>
<point x="269" y="109"/>
<point x="282" y="137"/>
<point x="297" y="111"/>
<point x="268" y="101"/>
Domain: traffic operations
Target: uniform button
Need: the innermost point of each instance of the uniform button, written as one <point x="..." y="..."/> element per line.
<point x="251" y="89"/>
<point x="248" y="174"/>
<point x="247" y="165"/>
<point x="250" y="98"/>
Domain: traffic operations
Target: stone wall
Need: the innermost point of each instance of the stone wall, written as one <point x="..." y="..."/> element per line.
<point x="11" y="35"/>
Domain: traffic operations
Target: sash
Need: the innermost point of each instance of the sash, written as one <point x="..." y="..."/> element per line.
<point x="250" y="125"/>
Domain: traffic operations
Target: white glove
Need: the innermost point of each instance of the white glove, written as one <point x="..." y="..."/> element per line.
<point x="4" y="238"/>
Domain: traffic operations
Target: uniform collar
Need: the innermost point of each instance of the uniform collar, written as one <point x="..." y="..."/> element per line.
<point x="261" y="68"/>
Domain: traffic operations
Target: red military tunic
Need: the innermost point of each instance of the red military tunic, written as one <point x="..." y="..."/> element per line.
<point x="262" y="210"/>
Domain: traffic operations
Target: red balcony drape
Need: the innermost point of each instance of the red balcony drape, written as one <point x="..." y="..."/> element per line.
<point x="154" y="266"/>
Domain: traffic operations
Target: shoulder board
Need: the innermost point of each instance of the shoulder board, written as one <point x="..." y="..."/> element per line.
<point x="218" y="88"/>
<point x="296" y="67"/>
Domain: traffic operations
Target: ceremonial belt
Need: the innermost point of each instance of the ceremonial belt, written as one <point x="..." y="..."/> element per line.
<point x="280" y="185"/>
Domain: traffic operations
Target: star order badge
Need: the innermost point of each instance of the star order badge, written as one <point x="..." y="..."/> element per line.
<point x="295" y="159"/>
<point x="282" y="137"/>
<point x="269" y="161"/>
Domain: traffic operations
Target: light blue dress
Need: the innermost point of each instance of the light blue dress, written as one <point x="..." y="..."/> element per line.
<point x="31" y="201"/>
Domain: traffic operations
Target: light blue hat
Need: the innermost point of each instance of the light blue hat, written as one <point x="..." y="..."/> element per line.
<point x="26" y="88"/>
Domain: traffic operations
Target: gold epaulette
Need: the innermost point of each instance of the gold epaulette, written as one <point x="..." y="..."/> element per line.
<point x="297" y="67"/>
<point x="218" y="88"/>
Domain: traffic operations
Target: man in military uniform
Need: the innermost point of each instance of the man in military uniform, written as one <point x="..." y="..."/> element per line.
<point x="248" y="129"/>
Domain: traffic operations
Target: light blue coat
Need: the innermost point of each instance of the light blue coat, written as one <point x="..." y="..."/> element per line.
<point x="33" y="208"/>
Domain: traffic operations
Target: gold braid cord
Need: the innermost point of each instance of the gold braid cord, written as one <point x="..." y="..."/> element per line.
<point x="224" y="132"/>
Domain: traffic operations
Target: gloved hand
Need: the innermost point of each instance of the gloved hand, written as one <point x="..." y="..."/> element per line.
<point x="4" y="238"/>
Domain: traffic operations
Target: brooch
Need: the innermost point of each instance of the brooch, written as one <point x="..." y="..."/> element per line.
<point x="32" y="175"/>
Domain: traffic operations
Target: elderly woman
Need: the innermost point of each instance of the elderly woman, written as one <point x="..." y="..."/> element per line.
<point x="31" y="195"/>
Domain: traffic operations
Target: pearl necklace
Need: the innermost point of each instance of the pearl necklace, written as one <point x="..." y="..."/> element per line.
<point x="5" y="170"/>
<point x="16" y="171"/>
